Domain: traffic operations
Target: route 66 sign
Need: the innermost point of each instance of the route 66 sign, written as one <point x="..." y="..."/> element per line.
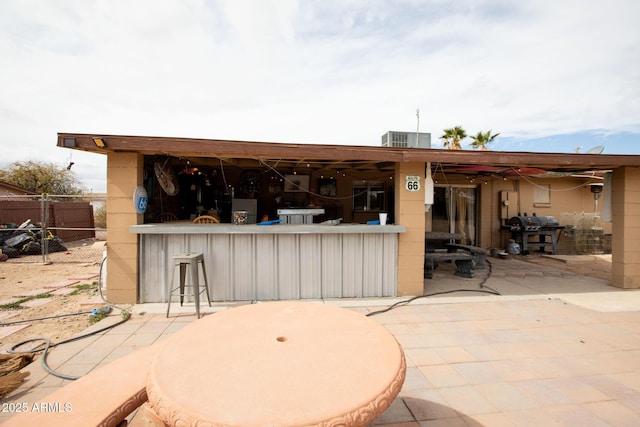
<point x="140" y="199"/>
<point x="412" y="183"/>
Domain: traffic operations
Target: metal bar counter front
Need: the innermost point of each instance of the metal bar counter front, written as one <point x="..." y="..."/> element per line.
<point x="275" y="262"/>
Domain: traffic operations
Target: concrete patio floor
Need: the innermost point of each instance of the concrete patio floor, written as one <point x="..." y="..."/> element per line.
<point x="553" y="349"/>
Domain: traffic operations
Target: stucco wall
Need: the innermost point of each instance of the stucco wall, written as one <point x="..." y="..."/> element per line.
<point x="570" y="198"/>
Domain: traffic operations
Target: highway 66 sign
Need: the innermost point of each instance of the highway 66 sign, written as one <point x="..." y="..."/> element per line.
<point x="412" y="183"/>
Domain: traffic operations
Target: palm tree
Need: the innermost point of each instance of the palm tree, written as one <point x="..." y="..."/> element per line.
<point x="482" y="139"/>
<point x="453" y="136"/>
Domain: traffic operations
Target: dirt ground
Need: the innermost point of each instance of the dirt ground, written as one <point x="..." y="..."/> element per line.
<point x="20" y="277"/>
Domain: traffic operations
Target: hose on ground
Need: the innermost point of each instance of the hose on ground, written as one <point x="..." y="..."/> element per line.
<point x="47" y="342"/>
<point x="482" y="289"/>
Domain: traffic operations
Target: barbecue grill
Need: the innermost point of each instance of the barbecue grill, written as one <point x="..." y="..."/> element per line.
<point x="532" y="223"/>
<point x="522" y="227"/>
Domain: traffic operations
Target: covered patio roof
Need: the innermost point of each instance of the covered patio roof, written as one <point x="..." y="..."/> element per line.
<point x="321" y="156"/>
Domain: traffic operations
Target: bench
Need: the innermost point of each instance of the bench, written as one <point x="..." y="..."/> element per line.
<point x="479" y="254"/>
<point x="463" y="260"/>
<point x="103" y="397"/>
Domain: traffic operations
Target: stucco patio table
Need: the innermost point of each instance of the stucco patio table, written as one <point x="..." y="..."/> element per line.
<point x="285" y="363"/>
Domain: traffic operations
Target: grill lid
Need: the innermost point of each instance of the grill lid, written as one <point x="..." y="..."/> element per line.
<point x="548" y="221"/>
<point x="532" y="223"/>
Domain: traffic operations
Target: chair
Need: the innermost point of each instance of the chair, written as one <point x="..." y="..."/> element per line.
<point x="183" y="261"/>
<point x="206" y="219"/>
<point x="166" y="217"/>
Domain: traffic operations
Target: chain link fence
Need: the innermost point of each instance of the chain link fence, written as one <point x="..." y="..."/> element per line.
<point x="53" y="228"/>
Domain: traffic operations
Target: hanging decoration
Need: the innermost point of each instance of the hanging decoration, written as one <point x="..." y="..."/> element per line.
<point x="428" y="188"/>
<point x="250" y="181"/>
<point x="140" y="199"/>
<point x="166" y="178"/>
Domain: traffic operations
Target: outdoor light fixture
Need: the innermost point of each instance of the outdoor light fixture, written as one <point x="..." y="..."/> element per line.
<point x="99" y="142"/>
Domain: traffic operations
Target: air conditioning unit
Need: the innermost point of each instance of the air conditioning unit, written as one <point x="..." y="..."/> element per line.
<point x="406" y="140"/>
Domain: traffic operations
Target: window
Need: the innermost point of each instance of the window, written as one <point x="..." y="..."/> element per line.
<point x="541" y="195"/>
<point x="368" y="196"/>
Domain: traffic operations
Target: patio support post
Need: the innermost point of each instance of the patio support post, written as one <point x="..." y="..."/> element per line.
<point x="625" y="206"/>
<point x="124" y="173"/>
<point x="409" y="211"/>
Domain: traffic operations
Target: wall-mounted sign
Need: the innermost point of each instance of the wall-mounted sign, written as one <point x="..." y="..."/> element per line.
<point x="140" y="199"/>
<point x="412" y="183"/>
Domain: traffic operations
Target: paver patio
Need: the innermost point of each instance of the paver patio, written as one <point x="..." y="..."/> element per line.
<point x="554" y="349"/>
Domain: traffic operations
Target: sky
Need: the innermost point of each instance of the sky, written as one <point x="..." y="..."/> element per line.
<point x="548" y="75"/>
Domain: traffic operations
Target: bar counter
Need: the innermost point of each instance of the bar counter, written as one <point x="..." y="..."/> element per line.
<point x="274" y="262"/>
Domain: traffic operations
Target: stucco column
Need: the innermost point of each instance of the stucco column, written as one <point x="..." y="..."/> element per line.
<point x="124" y="173"/>
<point x="625" y="207"/>
<point x="409" y="211"/>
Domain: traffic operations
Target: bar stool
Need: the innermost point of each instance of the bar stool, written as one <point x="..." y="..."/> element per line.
<point x="191" y="260"/>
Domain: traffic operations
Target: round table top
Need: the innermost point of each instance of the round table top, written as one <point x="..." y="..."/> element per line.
<point x="284" y="363"/>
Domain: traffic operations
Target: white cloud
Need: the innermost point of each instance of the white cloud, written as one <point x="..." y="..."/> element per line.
<point x="322" y="72"/>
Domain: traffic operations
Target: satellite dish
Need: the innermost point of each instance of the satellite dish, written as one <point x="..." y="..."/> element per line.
<point x="595" y="150"/>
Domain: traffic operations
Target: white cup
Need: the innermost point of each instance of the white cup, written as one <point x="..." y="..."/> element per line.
<point x="383" y="218"/>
